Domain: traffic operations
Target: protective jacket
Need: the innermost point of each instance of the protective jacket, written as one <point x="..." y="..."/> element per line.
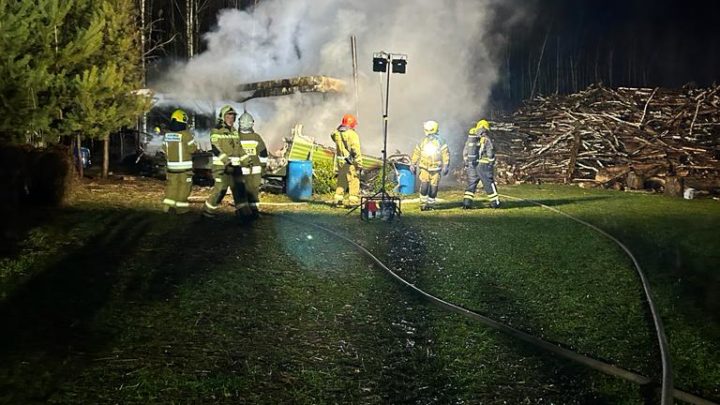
<point x="432" y="154"/>
<point x="226" y="147"/>
<point x="347" y="144"/>
<point x="479" y="156"/>
<point x="178" y="147"/>
<point x="478" y="148"/>
<point x="253" y="147"/>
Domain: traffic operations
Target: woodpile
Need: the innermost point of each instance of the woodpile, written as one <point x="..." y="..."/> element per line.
<point x="635" y="138"/>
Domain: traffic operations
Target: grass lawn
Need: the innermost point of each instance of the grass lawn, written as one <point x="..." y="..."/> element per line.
<point x="110" y="301"/>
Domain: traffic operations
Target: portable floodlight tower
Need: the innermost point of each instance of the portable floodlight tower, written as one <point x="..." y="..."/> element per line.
<point x="389" y="205"/>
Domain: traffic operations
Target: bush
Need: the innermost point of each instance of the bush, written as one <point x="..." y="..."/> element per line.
<point x="390" y="179"/>
<point x="13" y="176"/>
<point x="51" y="176"/>
<point x="324" y="180"/>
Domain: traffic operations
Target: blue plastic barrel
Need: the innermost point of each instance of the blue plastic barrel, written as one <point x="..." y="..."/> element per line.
<point x="405" y="179"/>
<point x="299" y="180"/>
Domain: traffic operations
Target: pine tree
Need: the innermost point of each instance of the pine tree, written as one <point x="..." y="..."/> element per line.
<point x="103" y="95"/>
<point x="69" y="67"/>
<point x="25" y="71"/>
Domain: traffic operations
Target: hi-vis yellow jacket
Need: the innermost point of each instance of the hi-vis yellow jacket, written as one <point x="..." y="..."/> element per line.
<point x="431" y="154"/>
<point x="226" y="147"/>
<point x="478" y="148"/>
<point x="347" y="144"/>
<point x="254" y="148"/>
<point x="178" y="147"/>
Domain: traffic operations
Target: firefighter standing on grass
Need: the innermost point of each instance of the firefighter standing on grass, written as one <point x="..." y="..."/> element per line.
<point x="228" y="158"/>
<point x="253" y="147"/>
<point x="432" y="157"/>
<point x="479" y="157"/>
<point x="349" y="161"/>
<point x="178" y="145"/>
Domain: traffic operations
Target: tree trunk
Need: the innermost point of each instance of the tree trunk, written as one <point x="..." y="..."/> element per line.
<point x="573" y="157"/>
<point x="80" y="168"/>
<point x="674" y="186"/>
<point x="144" y="29"/>
<point x="635" y="181"/>
<point x="190" y="28"/>
<point x="122" y="147"/>
<point x="106" y="156"/>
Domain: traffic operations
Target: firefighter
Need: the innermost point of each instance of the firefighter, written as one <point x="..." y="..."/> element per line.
<point x="349" y="162"/>
<point x="253" y="146"/>
<point x="479" y="157"/>
<point x="178" y="145"/>
<point x="228" y="157"/>
<point x="432" y="157"/>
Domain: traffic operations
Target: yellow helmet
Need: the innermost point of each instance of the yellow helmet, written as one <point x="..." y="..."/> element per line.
<point x="179" y="116"/>
<point x="225" y="110"/>
<point x="431" y="127"/>
<point x="482" y="124"/>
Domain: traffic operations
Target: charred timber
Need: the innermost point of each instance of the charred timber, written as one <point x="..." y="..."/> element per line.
<point x="283" y="87"/>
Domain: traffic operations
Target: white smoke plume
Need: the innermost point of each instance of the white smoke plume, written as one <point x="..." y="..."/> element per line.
<point x="450" y="70"/>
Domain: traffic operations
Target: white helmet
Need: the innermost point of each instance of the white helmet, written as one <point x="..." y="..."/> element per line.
<point x="431" y="127"/>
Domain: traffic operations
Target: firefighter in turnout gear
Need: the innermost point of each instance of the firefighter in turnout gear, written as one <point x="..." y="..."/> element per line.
<point x="251" y="179"/>
<point x="432" y="157"/>
<point x="479" y="157"/>
<point x="178" y="145"/>
<point x="349" y="162"/>
<point x="228" y="158"/>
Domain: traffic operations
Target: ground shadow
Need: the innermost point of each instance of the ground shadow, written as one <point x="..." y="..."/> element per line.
<point x="51" y="320"/>
<point x="53" y="307"/>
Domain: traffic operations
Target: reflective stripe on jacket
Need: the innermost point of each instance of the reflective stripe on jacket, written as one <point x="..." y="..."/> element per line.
<point x="178" y="148"/>
<point x="478" y="148"/>
<point x="226" y="145"/>
<point x="254" y="148"/>
<point x="432" y="153"/>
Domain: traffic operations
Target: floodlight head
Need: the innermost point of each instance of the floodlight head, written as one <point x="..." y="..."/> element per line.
<point x="399" y="62"/>
<point x="380" y="62"/>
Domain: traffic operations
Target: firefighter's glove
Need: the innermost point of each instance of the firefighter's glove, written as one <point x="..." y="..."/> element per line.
<point x="349" y="160"/>
<point x="445" y="170"/>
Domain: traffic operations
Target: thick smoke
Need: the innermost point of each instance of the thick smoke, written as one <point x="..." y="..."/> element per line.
<point x="450" y="70"/>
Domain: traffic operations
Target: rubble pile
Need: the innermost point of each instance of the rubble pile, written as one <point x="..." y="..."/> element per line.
<point x="624" y="138"/>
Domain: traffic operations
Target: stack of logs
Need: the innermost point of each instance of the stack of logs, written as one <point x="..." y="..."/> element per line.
<point x="633" y="138"/>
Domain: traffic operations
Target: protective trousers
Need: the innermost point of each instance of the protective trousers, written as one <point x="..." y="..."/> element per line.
<point x="224" y="178"/>
<point x="429" y="182"/>
<point x="177" y="191"/>
<point x="483" y="172"/>
<point x="347" y="180"/>
<point x="248" y="196"/>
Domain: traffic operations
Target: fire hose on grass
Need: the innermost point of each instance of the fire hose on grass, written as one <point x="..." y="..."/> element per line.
<point x="668" y="392"/>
